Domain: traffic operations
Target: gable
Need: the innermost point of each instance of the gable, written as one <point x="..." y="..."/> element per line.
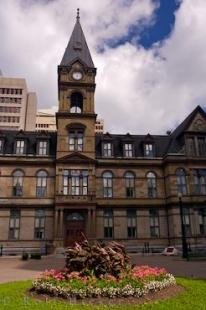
<point x="75" y="158"/>
<point x="198" y="123"/>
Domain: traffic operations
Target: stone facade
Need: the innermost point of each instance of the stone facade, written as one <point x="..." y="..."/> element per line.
<point x="56" y="188"/>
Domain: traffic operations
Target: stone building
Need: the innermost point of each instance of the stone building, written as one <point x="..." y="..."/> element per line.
<point x="58" y="186"/>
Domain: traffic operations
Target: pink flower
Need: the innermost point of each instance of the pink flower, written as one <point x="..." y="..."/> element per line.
<point x="146" y="271"/>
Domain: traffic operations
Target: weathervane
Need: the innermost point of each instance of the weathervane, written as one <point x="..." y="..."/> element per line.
<point x="78" y="14"/>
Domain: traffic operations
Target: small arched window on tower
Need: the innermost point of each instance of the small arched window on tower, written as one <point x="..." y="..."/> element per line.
<point x="76" y="103"/>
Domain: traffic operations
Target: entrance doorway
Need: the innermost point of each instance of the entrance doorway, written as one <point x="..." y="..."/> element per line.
<point x="74" y="228"/>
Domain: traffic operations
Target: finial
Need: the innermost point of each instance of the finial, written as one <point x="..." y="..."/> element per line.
<point x="78" y="14"/>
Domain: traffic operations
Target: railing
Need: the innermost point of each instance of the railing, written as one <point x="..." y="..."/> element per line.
<point x="66" y="198"/>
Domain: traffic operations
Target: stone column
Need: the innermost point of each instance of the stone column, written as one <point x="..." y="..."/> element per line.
<point x="61" y="223"/>
<point x="56" y="224"/>
<point x="94" y="223"/>
<point x="89" y="222"/>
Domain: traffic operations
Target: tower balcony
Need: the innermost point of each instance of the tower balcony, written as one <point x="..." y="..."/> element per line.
<point x="75" y="199"/>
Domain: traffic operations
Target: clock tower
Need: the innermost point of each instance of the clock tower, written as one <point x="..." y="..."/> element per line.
<point x="75" y="158"/>
<point x="76" y="88"/>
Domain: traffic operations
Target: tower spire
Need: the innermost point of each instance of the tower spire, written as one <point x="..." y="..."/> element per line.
<point x="77" y="47"/>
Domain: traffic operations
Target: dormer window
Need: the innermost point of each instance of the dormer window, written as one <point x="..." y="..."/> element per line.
<point x="42" y="148"/>
<point x="76" y="140"/>
<point x="76" y="103"/>
<point x="148" y="150"/>
<point x="107" y="149"/>
<point x="20" y="147"/>
<point x="128" y="150"/>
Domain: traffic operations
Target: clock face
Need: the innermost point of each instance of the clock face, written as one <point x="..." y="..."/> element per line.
<point x="77" y="75"/>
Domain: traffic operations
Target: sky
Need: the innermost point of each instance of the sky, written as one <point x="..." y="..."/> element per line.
<point x="149" y="54"/>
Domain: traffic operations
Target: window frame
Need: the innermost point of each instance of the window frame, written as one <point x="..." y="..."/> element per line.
<point x="43" y="151"/>
<point x="131" y="223"/>
<point x="20" y="150"/>
<point x="107" y="184"/>
<point x="75" y="182"/>
<point x="39" y="229"/>
<point x="129" y="178"/>
<point x="151" y="184"/>
<point x="107" y="151"/>
<point x="77" y="135"/>
<point x="108" y="222"/>
<point x="15" y="227"/>
<point x="149" y="153"/>
<point x="154" y="223"/>
<point x="181" y="179"/>
<point x="128" y="149"/>
<point x="41" y="183"/>
<point x="17" y="180"/>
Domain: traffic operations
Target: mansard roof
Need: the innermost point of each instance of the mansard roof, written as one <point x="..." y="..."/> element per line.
<point x="77" y="48"/>
<point x="161" y="144"/>
<point x="31" y="137"/>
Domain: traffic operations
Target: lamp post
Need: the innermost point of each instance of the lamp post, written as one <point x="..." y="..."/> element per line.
<point x="183" y="235"/>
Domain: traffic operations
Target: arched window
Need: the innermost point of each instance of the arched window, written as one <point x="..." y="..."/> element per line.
<point x="130" y="184"/>
<point x="181" y="181"/>
<point x="18" y="183"/>
<point x="76" y="103"/>
<point x="151" y="184"/>
<point x="107" y="184"/>
<point x="41" y="183"/>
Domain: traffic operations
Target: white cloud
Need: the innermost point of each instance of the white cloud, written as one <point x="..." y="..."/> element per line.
<point x="138" y="90"/>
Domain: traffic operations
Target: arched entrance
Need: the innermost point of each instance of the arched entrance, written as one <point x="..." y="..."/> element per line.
<point x="74" y="228"/>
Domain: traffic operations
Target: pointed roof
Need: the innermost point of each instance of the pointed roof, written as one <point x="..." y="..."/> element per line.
<point x="185" y="124"/>
<point x="77" y="48"/>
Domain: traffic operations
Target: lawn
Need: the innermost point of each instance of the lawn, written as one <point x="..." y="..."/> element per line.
<point x="12" y="296"/>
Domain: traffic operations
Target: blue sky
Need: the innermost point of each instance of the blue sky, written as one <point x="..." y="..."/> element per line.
<point x="160" y="28"/>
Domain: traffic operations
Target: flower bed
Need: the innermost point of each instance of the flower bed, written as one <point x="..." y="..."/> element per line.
<point x="134" y="282"/>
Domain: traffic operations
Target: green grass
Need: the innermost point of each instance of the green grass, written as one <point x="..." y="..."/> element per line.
<point x="13" y="296"/>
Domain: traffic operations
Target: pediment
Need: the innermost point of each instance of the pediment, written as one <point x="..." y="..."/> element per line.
<point x="198" y="123"/>
<point x="76" y="157"/>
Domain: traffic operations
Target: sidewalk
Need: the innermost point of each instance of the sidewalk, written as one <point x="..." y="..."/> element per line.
<point x="14" y="269"/>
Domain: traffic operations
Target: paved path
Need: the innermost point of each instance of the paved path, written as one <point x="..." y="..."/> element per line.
<point x="13" y="269"/>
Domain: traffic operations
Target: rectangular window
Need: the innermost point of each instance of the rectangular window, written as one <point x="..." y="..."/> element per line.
<point x="191" y="146"/>
<point x="201" y="146"/>
<point x="43" y="148"/>
<point x="14" y="224"/>
<point x="75" y="182"/>
<point x="107" y="149"/>
<point x="186" y="221"/>
<point x="39" y="224"/>
<point x="130" y="185"/>
<point x="20" y="147"/>
<point x="107" y="187"/>
<point x="148" y="150"/>
<point x="154" y="223"/>
<point x="108" y="224"/>
<point x="76" y="140"/>
<point x="131" y="223"/>
<point x="128" y="150"/>
<point x="202" y="221"/>
<point x="199" y="179"/>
